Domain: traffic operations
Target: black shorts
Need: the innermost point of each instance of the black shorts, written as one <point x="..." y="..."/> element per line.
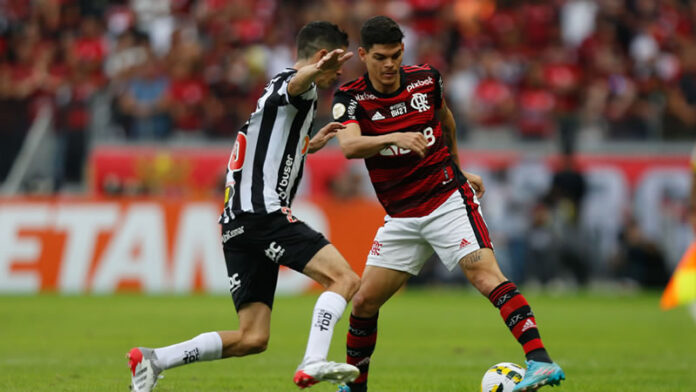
<point x="255" y="246"/>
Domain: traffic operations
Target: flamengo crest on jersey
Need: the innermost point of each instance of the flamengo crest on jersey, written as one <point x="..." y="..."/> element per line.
<point x="267" y="159"/>
<point x="406" y="185"/>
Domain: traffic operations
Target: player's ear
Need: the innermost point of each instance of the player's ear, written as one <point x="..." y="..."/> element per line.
<point x="319" y="54"/>
<point x="362" y="53"/>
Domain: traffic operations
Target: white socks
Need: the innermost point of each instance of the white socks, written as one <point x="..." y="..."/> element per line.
<point x="327" y="311"/>
<point x="204" y="347"/>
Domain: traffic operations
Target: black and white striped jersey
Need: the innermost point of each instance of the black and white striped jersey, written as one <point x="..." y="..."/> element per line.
<point x="267" y="159"/>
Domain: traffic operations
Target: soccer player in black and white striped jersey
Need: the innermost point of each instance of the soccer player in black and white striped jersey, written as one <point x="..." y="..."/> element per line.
<point x="259" y="232"/>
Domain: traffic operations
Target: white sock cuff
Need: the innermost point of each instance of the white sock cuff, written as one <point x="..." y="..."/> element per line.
<point x="332" y="302"/>
<point x="211" y="345"/>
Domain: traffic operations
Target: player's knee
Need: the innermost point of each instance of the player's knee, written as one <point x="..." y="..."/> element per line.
<point x="363" y="306"/>
<point x="254" y="343"/>
<point x="346" y="284"/>
<point x="485" y="281"/>
<point x="351" y="283"/>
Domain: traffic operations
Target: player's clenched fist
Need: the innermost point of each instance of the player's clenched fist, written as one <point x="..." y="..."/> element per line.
<point x="414" y="141"/>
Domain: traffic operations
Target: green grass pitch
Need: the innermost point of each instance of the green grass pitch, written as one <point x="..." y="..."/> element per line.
<point x="430" y="340"/>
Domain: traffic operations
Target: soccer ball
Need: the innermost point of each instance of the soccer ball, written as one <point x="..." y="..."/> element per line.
<point x="502" y="377"/>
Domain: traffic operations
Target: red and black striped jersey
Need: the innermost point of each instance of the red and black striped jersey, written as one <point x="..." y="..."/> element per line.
<point x="406" y="184"/>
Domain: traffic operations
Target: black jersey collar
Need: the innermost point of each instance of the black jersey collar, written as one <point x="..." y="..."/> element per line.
<point x="402" y="85"/>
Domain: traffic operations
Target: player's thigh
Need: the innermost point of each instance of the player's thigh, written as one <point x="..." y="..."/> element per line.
<point x="293" y="243"/>
<point x="399" y="246"/>
<point x="377" y="285"/>
<point x="328" y="266"/>
<point x="456" y="229"/>
<point x="252" y="278"/>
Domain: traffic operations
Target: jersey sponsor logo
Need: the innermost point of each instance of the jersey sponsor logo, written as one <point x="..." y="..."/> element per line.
<point x="393" y="150"/>
<point x="274" y="251"/>
<point x="235" y="283"/>
<point x="377" y="116"/>
<point x="419" y="102"/>
<point x="420" y="83"/>
<point x="365" y="96"/>
<point x="238" y="153"/>
<point x="399" y="109"/>
<point x="229" y="234"/>
<point x="351" y="108"/>
<point x="338" y="110"/>
<point x="236" y="162"/>
<point x="282" y="188"/>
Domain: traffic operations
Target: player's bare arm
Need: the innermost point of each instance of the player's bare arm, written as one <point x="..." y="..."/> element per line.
<point x="449" y="130"/>
<point x="355" y="145"/>
<point x="476" y="182"/>
<point x="306" y="74"/>
<point x="326" y="133"/>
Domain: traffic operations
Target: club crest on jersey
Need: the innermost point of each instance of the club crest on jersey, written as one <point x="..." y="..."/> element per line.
<point x="419" y="102"/>
<point x="399" y="109"/>
<point x="419" y="83"/>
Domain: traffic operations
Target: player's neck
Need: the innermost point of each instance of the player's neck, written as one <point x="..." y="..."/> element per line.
<point x="300" y="63"/>
<point x="384" y="88"/>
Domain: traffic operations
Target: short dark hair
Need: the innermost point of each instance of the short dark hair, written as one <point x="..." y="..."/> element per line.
<point x="380" y="30"/>
<point x="319" y="35"/>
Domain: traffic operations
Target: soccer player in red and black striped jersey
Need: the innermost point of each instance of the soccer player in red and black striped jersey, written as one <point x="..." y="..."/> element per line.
<point x="397" y="120"/>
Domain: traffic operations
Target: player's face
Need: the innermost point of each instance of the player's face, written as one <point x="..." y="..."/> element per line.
<point x="383" y="62"/>
<point x="328" y="78"/>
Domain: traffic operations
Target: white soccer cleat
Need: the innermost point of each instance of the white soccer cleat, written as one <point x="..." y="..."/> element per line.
<point x="312" y="373"/>
<point x="144" y="372"/>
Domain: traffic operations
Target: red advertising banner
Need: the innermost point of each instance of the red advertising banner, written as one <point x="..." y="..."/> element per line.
<point x="103" y="246"/>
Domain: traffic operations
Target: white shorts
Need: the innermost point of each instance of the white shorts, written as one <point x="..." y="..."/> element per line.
<point x="453" y="230"/>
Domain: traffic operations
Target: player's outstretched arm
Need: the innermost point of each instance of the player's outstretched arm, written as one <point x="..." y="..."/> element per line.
<point x="323" y="136"/>
<point x="355" y="145"/>
<point x="329" y="62"/>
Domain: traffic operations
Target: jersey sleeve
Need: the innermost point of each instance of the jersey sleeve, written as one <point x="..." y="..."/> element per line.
<point x="344" y="108"/>
<point x="297" y="100"/>
<point x="439" y="88"/>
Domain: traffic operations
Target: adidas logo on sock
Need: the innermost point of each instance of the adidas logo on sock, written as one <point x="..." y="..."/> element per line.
<point x="377" y="116"/>
<point x="528" y="324"/>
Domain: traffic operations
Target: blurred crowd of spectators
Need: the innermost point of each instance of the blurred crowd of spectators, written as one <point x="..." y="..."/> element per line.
<point x="194" y="68"/>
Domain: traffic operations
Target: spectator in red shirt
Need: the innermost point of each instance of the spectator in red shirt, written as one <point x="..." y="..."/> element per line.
<point x="186" y="99"/>
<point x="536" y="106"/>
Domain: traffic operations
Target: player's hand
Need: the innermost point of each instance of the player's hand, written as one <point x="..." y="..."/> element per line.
<point x="323" y="136"/>
<point x="477" y="183"/>
<point x="333" y="60"/>
<point x="414" y="141"/>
